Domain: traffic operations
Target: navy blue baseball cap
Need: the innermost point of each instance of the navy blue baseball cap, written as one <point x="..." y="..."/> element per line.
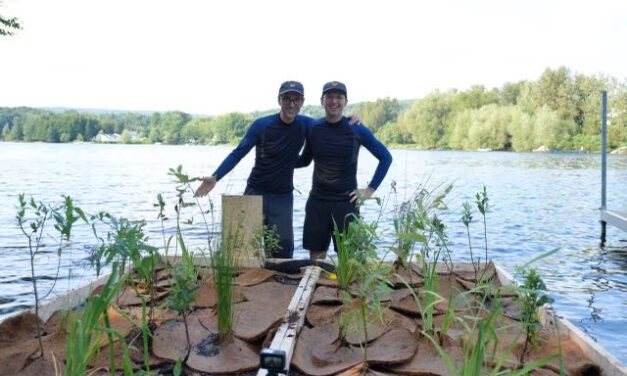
<point x="292" y="87"/>
<point x="334" y="85"/>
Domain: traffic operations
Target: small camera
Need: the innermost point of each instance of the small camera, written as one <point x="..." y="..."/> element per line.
<point x="273" y="361"/>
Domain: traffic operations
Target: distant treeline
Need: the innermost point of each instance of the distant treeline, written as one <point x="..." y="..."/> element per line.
<point x="560" y="110"/>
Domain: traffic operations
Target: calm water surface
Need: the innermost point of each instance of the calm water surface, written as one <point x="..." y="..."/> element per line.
<point x="538" y="202"/>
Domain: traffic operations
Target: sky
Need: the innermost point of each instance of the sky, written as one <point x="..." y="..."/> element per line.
<point x="213" y="57"/>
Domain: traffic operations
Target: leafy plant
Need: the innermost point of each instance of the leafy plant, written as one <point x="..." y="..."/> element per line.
<point x="126" y="243"/>
<point x="267" y="238"/>
<point x="32" y="217"/>
<point x="184" y="286"/>
<point x="83" y="342"/>
<point x="482" y="205"/>
<point x="532" y="297"/>
<point x="183" y="188"/>
<point x="482" y="342"/>
<point x="373" y="284"/>
<point x="466" y="220"/>
<point x="355" y="246"/>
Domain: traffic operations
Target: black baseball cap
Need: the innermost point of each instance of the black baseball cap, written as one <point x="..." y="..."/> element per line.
<point x="334" y="85"/>
<point x="292" y="87"/>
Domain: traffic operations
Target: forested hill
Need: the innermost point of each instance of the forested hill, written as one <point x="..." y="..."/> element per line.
<point x="560" y="110"/>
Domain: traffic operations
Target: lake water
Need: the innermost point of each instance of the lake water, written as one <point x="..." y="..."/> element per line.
<point x="538" y="202"/>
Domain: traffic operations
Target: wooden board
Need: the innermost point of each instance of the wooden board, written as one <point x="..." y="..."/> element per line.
<point x="242" y="221"/>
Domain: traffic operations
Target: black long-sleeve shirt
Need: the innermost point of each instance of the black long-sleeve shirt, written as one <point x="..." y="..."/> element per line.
<point x="334" y="147"/>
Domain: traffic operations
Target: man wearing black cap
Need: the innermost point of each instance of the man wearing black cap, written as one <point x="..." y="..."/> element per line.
<point x="278" y="139"/>
<point x="334" y="147"/>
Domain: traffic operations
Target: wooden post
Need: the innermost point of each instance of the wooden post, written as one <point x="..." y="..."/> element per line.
<point x="603" y="164"/>
<point x="242" y="221"/>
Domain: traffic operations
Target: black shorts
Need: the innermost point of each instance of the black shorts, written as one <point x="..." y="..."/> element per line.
<point x="278" y="211"/>
<point x="319" y="222"/>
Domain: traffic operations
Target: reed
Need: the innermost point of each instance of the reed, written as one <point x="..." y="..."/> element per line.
<point x="83" y="341"/>
<point x="224" y="270"/>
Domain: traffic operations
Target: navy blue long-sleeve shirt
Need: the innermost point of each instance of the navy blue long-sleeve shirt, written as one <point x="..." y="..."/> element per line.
<point x="277" y="147"/>
<point x="334" y="147"/>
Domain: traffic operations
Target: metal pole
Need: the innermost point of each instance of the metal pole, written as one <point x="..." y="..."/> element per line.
<point x="603" y="162"/>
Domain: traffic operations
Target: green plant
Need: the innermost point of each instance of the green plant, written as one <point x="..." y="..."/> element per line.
<point x="532" y="297"/>
<point x="466" y="220"/>
<point x="184" y="286"/>
<point x="32" y="217"/>
<point x="126" y="243"/>
<point x="224" y="268"/>
<point x="184" y="186"/>
<point x="373" y="284"/>
<point x="267" y="238"/>
<point x="82" y="342"/>
<point x="481" y="345"/>
<point x="161" y="216"/>
<point x="482" y="205"/>
<point x="355" y="246"/>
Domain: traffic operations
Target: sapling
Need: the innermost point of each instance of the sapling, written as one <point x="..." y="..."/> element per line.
<point x="481" y="199"/>
<point x="127" y="242"/>
<point x="32" y="217"/>
<point x="184" y="286"/>
<point x="184" y="186"/>
<point x="466" y="220"/>
<point x="532" y="298"/>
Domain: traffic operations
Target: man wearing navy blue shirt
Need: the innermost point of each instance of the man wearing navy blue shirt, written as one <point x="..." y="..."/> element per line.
<point x="278" y="139"/>
<point x="334" y="147"/>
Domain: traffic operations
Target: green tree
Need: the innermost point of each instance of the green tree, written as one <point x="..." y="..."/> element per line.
<point x="16" y="133"/>
<point x="6" y="132"/>
<point x="125" y="137"/>
<point x="550" y="129"/>
<point x="556" y="89"/>
<point x="475" y="97"/>
<point x="391" y="133"/>
<point x="588" y="104"/>
<point x="230" y="128"/>
<point x="376" y="114"/>
<point x="428" y="119"/>
<point x="199" y="129"/>
<point x="509" y="93"/>
<point x="521" y="130"/>
<point x="481" y="128"/>
<point x="8" y="25"/>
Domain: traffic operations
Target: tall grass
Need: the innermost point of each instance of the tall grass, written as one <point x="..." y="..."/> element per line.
<point x="224" y="268"/>
<point x="83" y="340"/>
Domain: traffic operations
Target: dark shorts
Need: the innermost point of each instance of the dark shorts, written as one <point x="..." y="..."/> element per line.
<point x="319" y="218"/>
<point x="278" y="211"/>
